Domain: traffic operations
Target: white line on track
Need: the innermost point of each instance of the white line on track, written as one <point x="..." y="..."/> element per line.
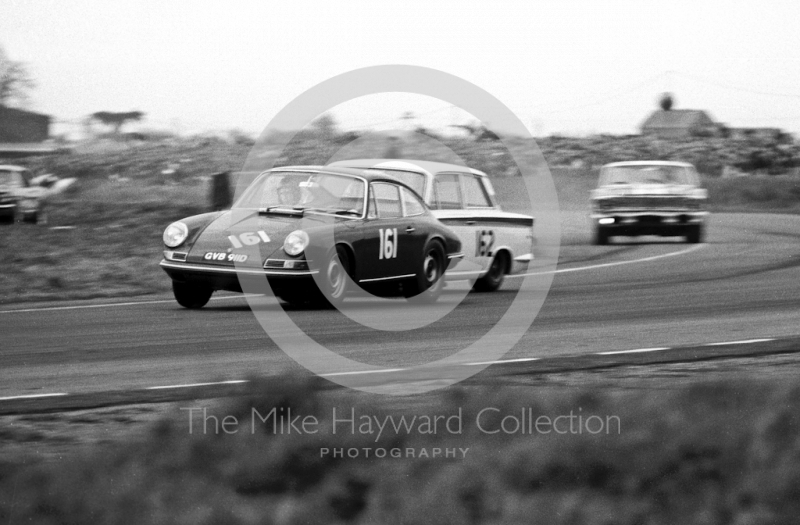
<point x="109" y="305"/>
<point x="618" y="263"/>
<point x="743" y="342"/>
<point x="191" y="385"/>
<point x="388" y="370"/>
<point x="503" y="361"/>
<point x="32" y="396"/>
<point x="635" y="351"/>
<point x="229" y="297"/>
<point x="358" y="372"/>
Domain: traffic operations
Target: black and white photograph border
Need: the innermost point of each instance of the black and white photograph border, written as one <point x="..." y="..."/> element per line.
<point x="601" y="328"/>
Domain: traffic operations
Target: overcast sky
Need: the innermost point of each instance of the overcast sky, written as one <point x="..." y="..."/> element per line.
<point x="561" y="66"/>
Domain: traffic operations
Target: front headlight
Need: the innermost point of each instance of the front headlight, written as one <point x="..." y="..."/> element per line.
<point x="295" y="242"/>
<point x="175" y="234"/>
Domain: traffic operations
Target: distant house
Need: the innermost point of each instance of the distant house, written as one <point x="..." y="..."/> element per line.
<point x="17" y="125"/>
<point x="677" y="123"/>
<point x="23" y="133"/>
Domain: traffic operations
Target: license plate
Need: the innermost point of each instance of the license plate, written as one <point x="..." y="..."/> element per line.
<point x="225" y="257"/>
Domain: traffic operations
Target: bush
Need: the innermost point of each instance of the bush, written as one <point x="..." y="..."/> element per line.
<point x="706" y="452"/>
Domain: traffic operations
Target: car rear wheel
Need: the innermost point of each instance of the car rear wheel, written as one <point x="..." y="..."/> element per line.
<point x="191" y="295"/>
<point x="695" y="235"/>
<point x="494" y="277"/>
<point x="600" y="236"/>
<point x="427" y="285"/>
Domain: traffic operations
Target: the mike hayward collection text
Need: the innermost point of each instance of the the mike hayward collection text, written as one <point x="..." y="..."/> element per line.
<point x="489" y="420"/>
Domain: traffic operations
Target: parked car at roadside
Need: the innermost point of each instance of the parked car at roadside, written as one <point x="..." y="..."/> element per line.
<point x="649" y="198"/>
<point x="20" y="198"/>
<point x="495" y="242"/>
<point x="385" y="239"/>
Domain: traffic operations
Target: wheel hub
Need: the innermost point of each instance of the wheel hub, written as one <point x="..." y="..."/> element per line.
<point x="431" y="269"/>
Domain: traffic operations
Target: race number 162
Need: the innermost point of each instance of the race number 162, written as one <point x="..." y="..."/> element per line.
<point x="388" y="249"/>
<point x="484" y="242"/>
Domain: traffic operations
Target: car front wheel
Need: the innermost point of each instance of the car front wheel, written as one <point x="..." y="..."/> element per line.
<point x="695" y="235"/>
<point x="191" y="295"/>
<point x="427" y="285"/>
<point x="600" y="236"/>
<point x="334" y="281"/>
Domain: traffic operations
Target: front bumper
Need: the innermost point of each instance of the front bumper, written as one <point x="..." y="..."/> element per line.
<point x="649" y="222"/>
<point x="228" y="278"/>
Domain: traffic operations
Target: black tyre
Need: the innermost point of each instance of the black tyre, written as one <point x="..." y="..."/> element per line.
<point x="191" y="295"/>
<point x="337" y="269"/>
<point x="600" y="236"/>
<point x="428" y="284"/>
<point x="695" y="235"/>
<point x="494" y="277"/>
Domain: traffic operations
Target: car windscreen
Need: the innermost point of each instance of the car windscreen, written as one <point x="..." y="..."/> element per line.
<point x="7" y="178"/>
<point x="412" y="179"/>
<point x="322" y="192"/>
<point x="647" y="174"/>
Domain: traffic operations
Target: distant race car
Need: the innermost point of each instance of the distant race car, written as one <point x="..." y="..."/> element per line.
<point x="20" y="198"/>
<point x="495" y="242"/>
<point x="386" y="239"/>
<point x="649" y="198"/>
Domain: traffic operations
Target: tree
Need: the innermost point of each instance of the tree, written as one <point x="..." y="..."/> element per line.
<point x="15" y="83"/>
<point x="325" y="125"/>
<point x="666" y="101"/>
<point x="117" y="119"/>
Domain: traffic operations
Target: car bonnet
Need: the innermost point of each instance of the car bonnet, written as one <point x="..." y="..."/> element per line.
<point x="228" y="235"/>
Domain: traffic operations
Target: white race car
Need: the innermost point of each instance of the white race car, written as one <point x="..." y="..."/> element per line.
<point x="495" y="243"/>
<point x="649" y="198"/>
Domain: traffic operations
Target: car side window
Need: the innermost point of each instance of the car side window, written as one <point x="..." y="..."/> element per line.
<point x="413" y="206"/>
<point x="447" y="192"/>
<point x="387" y="200"/>
<point x="474" y="192"/>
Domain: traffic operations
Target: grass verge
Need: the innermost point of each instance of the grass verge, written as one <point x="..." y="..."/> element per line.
<point x="110" y="246"/>
<point x="709" y="452"/>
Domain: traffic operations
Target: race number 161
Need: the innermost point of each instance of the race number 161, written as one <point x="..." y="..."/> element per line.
<point x="388" y="249"/>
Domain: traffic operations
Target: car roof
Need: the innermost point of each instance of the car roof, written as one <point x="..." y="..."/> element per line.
<point x="649" y="163"/>
<point x="419" y="166"/>
<point x="369" y="175"/>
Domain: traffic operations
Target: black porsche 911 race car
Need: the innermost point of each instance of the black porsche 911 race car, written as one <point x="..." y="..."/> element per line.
<point x="314" y="233"/>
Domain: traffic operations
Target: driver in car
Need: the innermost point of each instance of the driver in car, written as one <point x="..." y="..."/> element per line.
<point x="288" y="192"/>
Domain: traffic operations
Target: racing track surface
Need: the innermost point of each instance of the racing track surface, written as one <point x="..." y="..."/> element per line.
<point x="743" y="284"/>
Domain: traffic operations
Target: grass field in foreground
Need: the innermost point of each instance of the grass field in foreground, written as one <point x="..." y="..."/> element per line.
<point x="707" y="452"/>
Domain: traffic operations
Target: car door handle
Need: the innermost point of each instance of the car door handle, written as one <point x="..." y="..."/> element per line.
<point x="470" y="223"/>
<point x="410" y="229"/>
